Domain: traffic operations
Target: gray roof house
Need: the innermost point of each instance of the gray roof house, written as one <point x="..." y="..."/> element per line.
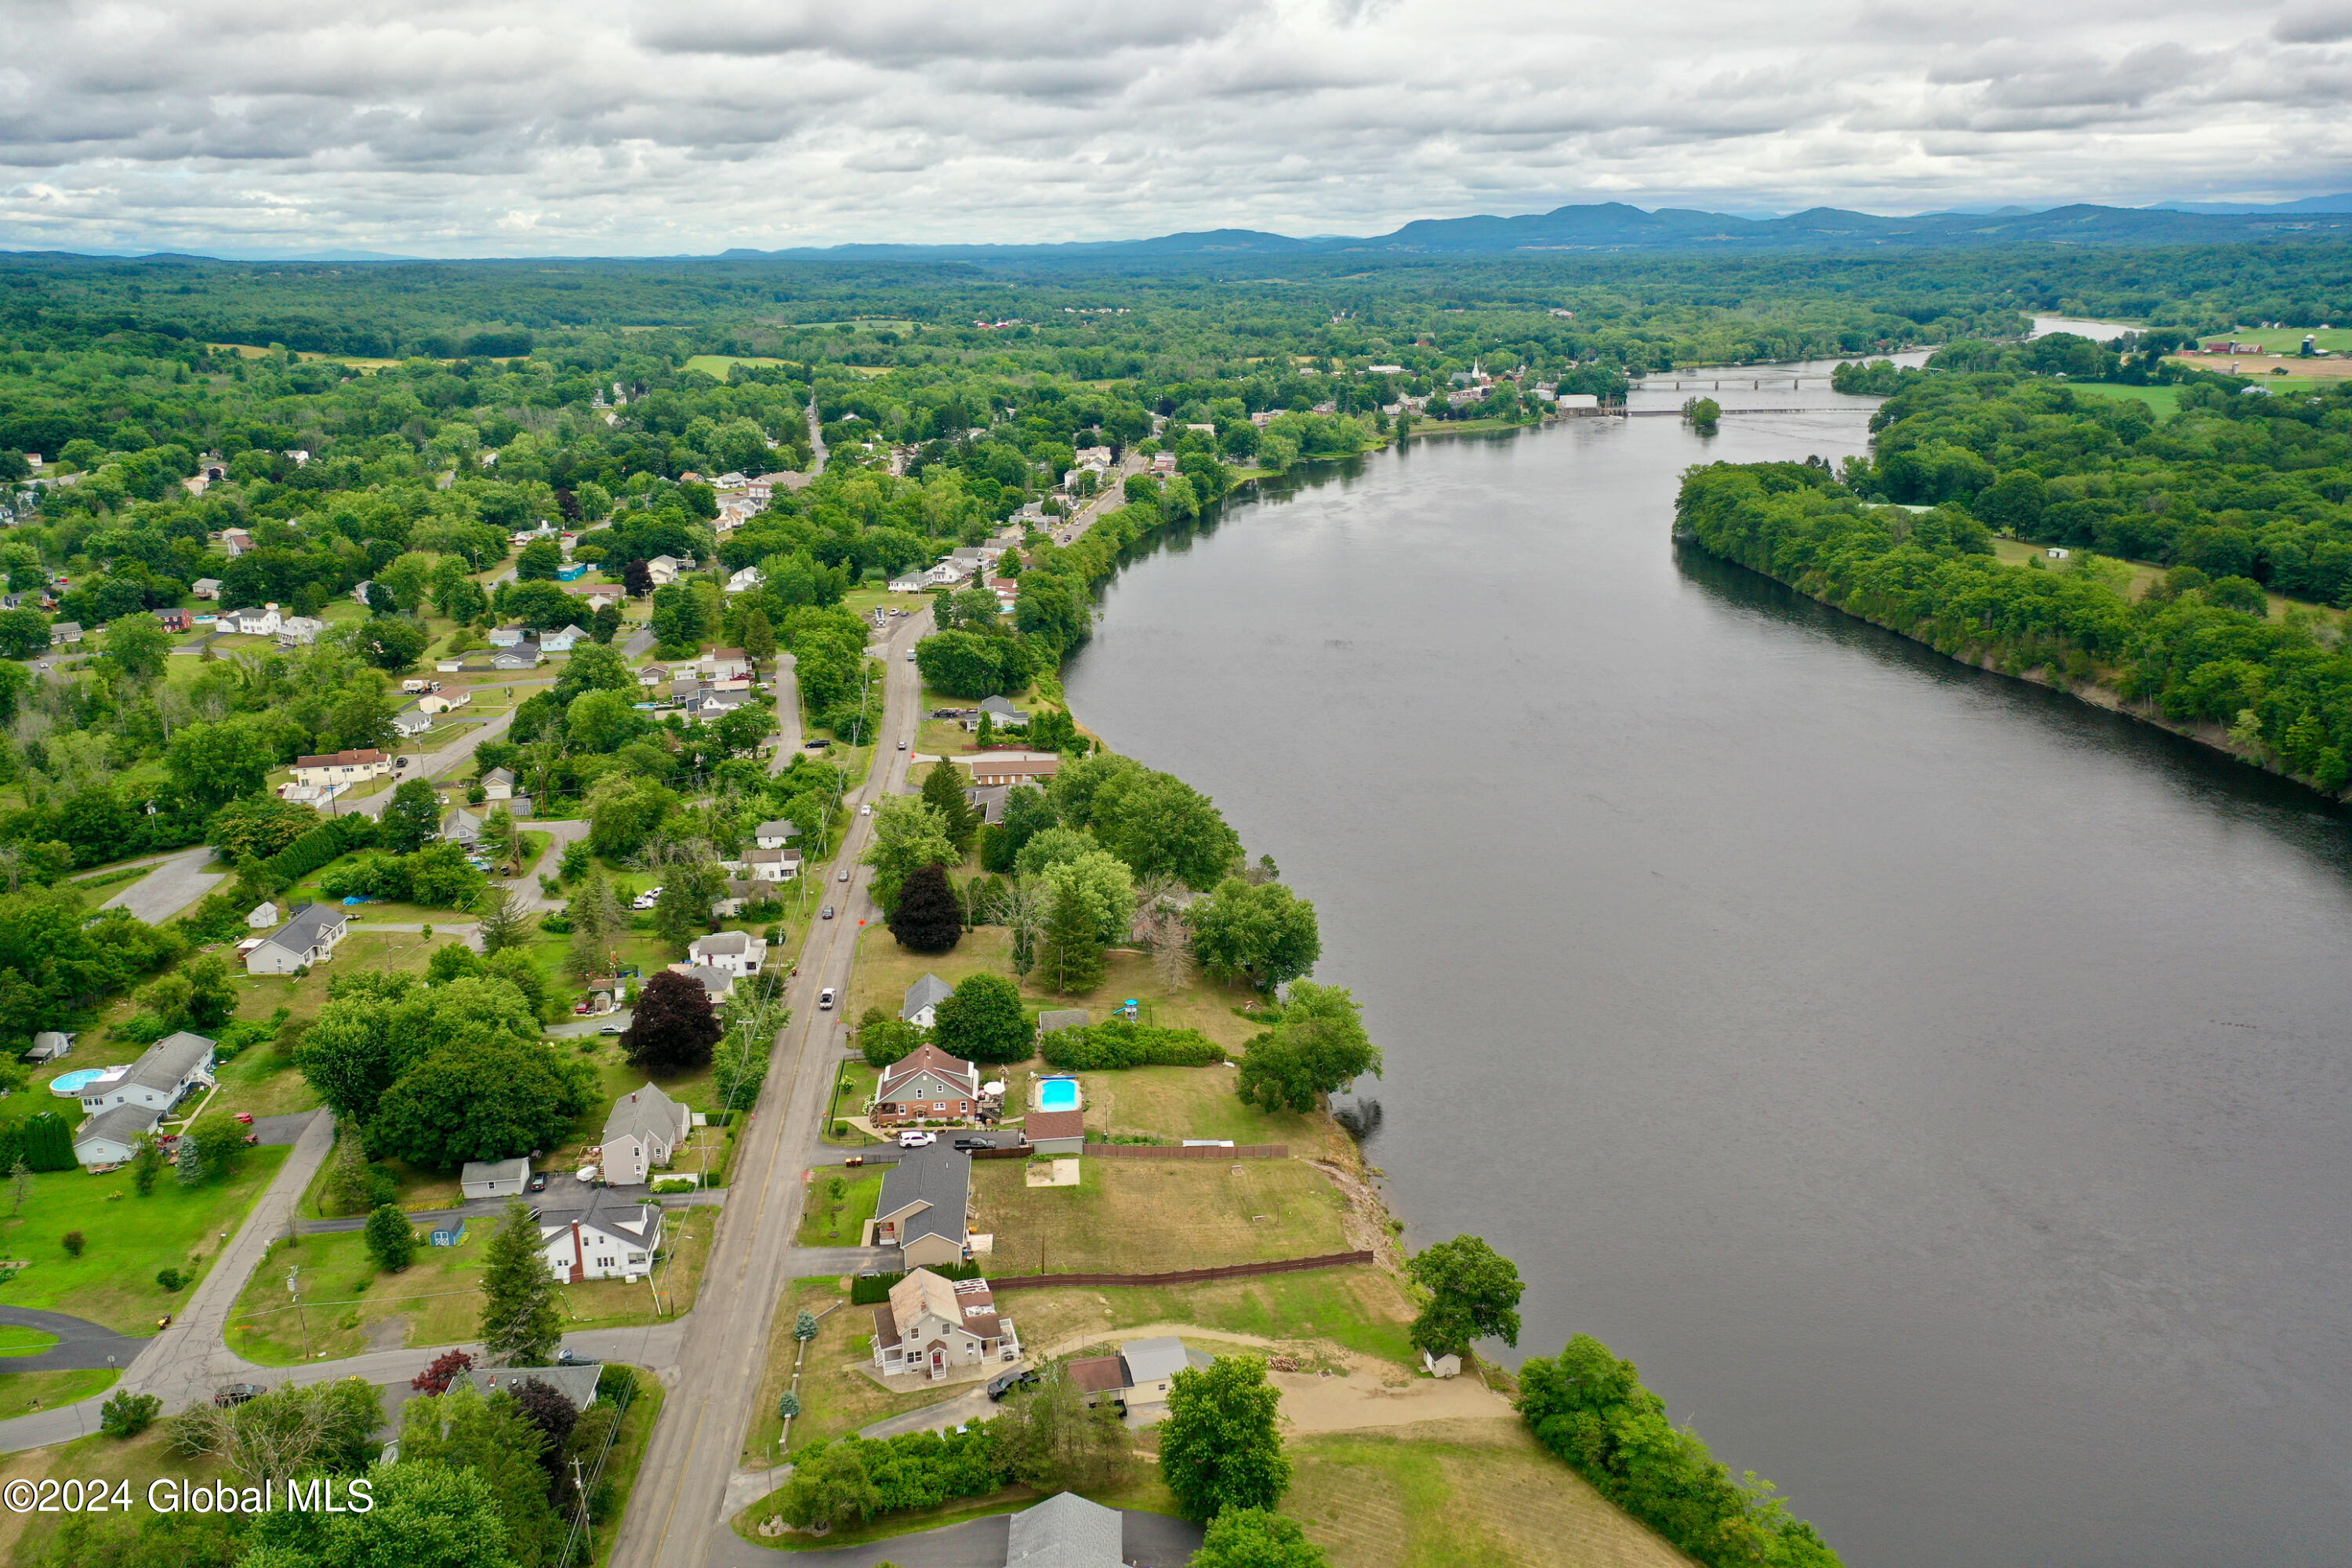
<point x="576" y="1383"/>
<point x="775" y="835"/>
<point x="209" y="588"/>
<point x="162" y="1076"/>
<point x="926" y="1205"/>
<point x="113" y="1136"/>
<point x="462" y="826"/>
<point x="923" y="998"/>
<point x="988" y="800"/>
<point x="611" y="1237"/>
<point x="1066" y="1530"/>
<point x="1054" y="1018"/>
<point x="309" y="938"/>
<point x="411" y="722"/>
<point x="1001" y="712"/>
<point x="522" y="655"/>
<point x="645" y="1129"/>
<point x="494" y="1178"/>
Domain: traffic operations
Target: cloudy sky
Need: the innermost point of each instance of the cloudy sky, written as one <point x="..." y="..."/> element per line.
<point x="633" y="126"/>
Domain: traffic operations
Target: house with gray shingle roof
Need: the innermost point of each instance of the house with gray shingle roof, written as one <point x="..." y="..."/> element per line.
<point x="775" y="835"/>
<point x="613" y="1238"/>
<point x="576" y="1383"/>
<point x="926" y="1205"/>
<point x="646" y="1130"/>
<point x="1066" y="1530"/>
<point x="309" y="938"/>
<point x="113" y="1136"/>
<point x="923" y="998"/>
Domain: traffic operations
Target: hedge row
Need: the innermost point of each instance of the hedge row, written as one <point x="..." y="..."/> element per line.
<point x="873" y="1290"/>
<point x="1116" y="1043"/>
<point x="329" y="840"/>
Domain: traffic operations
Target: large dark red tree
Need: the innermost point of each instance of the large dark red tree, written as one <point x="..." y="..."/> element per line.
<point x="928" y="919"/>
<point x="674" y="1028"/>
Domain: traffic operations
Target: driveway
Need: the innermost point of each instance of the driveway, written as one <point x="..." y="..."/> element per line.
<point x="169" y="887"/>
<point x="579" y="1027"/>
<point x="80" y="1342"/>
<point x="1147" y="1539"/>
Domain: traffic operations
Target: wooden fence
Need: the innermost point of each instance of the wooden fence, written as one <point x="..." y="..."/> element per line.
<point x="1152" y="1151"/>
<point x="1000" y="1283"/>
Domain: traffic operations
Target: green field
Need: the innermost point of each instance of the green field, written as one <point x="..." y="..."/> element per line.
<point x="718" y="365"/>
<point x="2286" y="340"/>
<point x="2164" y="402"/>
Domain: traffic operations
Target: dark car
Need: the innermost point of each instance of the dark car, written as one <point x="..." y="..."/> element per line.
<point x="539" y="1180"/>
<point x="969" y="1144"/>
<point x="1004" y="1383"/>
<point x="828" y="912"/>
<point x="236" y="1394"/>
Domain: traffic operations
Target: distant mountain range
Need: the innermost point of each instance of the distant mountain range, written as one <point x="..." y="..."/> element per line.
<point x="2339" y="204"/>
<point x="1614" y="225"/>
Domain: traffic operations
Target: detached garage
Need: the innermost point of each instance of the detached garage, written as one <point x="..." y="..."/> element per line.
<point x="494" y="1178"/>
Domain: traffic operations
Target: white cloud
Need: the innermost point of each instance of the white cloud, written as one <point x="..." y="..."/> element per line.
<point x="619" y="126"/>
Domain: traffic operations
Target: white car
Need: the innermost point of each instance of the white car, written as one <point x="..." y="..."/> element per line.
<point x="865" y="810"/>
<point x="824" y="1000"/>
<point x="917" y="1140"/>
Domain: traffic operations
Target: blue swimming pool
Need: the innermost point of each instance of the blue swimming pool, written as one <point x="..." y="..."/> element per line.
<point x="72" y="1083"/>
<point x="1059" y="1094"/>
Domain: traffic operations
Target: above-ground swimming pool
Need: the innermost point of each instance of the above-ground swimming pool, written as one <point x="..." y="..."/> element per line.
<point x="1059" y="1094"/>
<point x="70" y="1085"/>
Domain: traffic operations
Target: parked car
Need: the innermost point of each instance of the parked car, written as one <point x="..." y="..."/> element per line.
<point x="567" y="1356"/>
<point x="245" y="1117"/>
<point x="612" y="1029"/>
<point x="1004" y="1383"/>
<point x="539" y="1180"/>
<point x="911" y="656"/>
<point x="969" y="1144"/>
<point x="828" y="913"/>
<point x="825" y="998"/>
<point x="915" y="1138"/>
<point x="236" y="1394"/>
<point x="855" y="1160"/>
<point x="902" y="745"/>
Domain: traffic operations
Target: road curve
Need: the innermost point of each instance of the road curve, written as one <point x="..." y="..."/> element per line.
<point x="680" y="1493"/>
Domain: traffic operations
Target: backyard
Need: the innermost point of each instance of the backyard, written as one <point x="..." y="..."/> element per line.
<point x="1156" y="1215"/>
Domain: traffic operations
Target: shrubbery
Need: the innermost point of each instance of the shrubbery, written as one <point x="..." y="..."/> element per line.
<point x="1116" y="1043"/>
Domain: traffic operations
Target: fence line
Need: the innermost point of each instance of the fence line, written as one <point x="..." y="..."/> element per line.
<point x="1000" y="1283"/>
<point x="1197" y="1151"/>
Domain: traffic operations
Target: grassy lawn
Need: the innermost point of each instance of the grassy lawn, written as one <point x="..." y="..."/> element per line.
<point x="825" y="1225"/>
<point x="852" y="1088"/>
<point x="836" y="1397"/>
<point x="1360" y="1307"/>
<point x="718" y="364"/>
<point x="1145" y="1493"/>
<point x="628" y="1453"/>
<point x="2164" y="402"/>
<point x="21" y="1393"/>
<point x="1197" y="1213"/>
<point x="1458" y="1494"/>
<point x="349" y="1306"/>
<point x="24" y="1537"/>
<point x="363" y="951"/>
<point x="130" y="1239"/>
<point x="2017" y="551"/>
<point x="1177" y="1103"/>
<point x="261" y="1081"/>
<point x="17" y="1340"/>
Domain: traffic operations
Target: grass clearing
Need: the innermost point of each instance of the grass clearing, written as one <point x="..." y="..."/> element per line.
<point x="25" y="1537"/>
<point x="1360" y="1307"/>
<point x="2144" y="573"/>
<point x="16" y="1339"/>
<point x="1459" y="1494"/>
<point x="130" y="1238"/>
<point x="1156" y="1215"/>
<point x="1177" y="1103"/>
<point x="22" y="1392"/>
<point x="827" y="1223"/>
<point x="2164" y="402"/>
<point x="363" y="951"/>
<point x="835" y="1396"/>
<point x="261" y="1080"/>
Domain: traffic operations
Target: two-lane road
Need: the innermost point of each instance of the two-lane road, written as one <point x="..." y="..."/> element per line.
<point x="681" y="1490"/>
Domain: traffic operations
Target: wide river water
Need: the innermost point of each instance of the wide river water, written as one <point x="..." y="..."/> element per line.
<point x="1940" y="1087"/>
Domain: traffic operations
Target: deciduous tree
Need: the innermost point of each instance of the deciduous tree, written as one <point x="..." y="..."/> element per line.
<point x="981" y="1021"/>
<point x="927" y="918"/>
<point x="1474" y="1293"/>
<point x="1221" y="1447"/>
<point x="1263" y="933"/>
<point x="1256" y="1538"/>
<point x="674" y="1028"/>
<point x="1318" y="1047"/>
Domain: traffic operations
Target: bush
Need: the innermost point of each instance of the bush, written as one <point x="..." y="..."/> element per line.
<point x="616" y="1383"/>
<point x="74" y="1243"/>
<point x="170" y="1278"/>
<point x="127" y="1415"/>
<point x="1116" y="1043"/>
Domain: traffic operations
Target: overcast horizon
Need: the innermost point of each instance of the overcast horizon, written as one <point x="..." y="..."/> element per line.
<point x="248" y="127"/>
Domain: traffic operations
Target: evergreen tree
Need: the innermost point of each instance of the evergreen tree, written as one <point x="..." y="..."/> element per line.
<point x="943" y="792"/>
<point x="596" y="921"/>
<point x="928" y="919"/>
<point x="1070" y="949"/>
<point x="520" y="1321"/>
<point x="390" y="1239"/>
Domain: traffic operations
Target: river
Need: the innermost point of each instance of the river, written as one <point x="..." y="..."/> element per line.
<point x="1940" y="1087"/>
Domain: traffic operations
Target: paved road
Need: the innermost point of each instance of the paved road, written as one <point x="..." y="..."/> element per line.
<point x="1147" y="1539"/>
<point x="436" y="765"/>
<point x="680" y="1496"/>
<point x="170" y="887"/>
<point x="80" y="1342"/>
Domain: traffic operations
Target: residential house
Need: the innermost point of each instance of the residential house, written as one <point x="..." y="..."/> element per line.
<point x="721" y="665"/>
<point x="646" y="1130"/>
<point x="913" y="580"/>
<point x="612" y="1238"/>
<point x="61" y="632"/>
<point x="1137" y="1377"/>
<point x="524" y="656"/>
<point x="173" y="620"/>
<point x="749" y="578"/>
<point x="772" y="865"/>
<point x="260" y="623"/>
<point x="602" y="594"/>
<point x="707" y="703"/>
<point x="563" y="641"/>
<point x="576" y="1382"/>
<point x="443" y="702"/>
<point x="205" y="588"/>
<point x="310" y="937"/>
<point x="498" y="784"/>
<point x="925" y="1207"/>
<point x="165" y="1073"/>
<point x="935" y="1326"/>
<point x="359" y="591"/>
<point x="775" y="835"/>
<point x="738" y="952"/>
<point x="928" y="1084"/>
<point x="508" y="637"/>
<point x="111" y="1137"/>
<point x="988" y="800"/>
<point x="1066" y="1530"/>
<point x="1012" y="767"/>
<point x="494" y="1178"/>
<point x="235" y="541"/>
<point x="299" y="631"/>
<point x="411" y="722"/>
<point x="341" y="767"/>
<point x="717" y="983"/>
<point x="1000" y="712"/>
<point x="666" y="569"/>
<point x="922" y="1001"/>
<point x="462" y="826"/>
<point x="653" y="677"/>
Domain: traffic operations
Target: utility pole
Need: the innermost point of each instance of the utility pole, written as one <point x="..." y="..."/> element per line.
<point x="294" y="1289"/>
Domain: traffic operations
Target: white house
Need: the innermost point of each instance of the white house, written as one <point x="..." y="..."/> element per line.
<point x="775" y="835"/>
<point x="612" y="1238"/>
<point x="522" y="655"/>
<point x="750" y="577"/>
<point x="665" y="570"/>
<point x="260" y="623"/>
<point x="309" y="938"/>
<point x="443" y="702"/>
<point x="935" y="1326"/>
<point x="412" y="722"/>
<point x="300" y="630"/>
<point x="494" y="1178"/>
<point x="922" y="1001"/>
<point x="498" y="784"/>
<point x="653" y="677"/>
<point x="717" y="983"/>
<point x="111" y="1137"/>
<point x="158" y="1080"/>
<point x="737" y="952"/>
<point x="506" y="637"/>
<point x="561" y="640"/>
<point x="772" y="865"/>
<point x="64" y="632"/>
<point x="646" y="1130"/>
<point x="205" y="588"/>
<point x="341" y="767"/>
<point x="726" y="664"/>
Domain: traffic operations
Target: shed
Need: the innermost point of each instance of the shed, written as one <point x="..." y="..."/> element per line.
<point x="494" y="1178"/>
<point x="1056" y="1131"/>
<point x="50" y="1044"/>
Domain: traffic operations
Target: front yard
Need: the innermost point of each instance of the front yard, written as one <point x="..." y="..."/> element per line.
<point x="825" y="1222"/>
<point x="1152" y="1216"/>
